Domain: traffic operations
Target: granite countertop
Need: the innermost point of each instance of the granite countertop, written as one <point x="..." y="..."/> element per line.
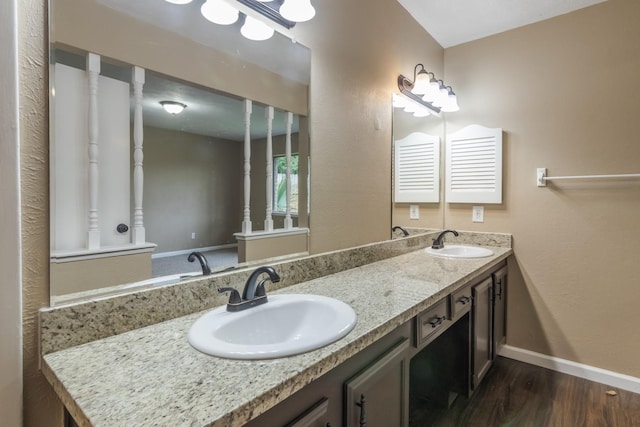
<point x="151" y="376"/>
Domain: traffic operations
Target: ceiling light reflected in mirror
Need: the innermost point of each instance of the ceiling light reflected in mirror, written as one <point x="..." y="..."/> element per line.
<point x="173" y="107"/>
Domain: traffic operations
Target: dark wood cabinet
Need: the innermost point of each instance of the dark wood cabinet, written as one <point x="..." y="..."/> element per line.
<point x="378" y="395"/>
<point x="500" y="280"/>
<point x="315" y="416"/>
<point x="379" y="372"/>
<point x="482" y="330"/>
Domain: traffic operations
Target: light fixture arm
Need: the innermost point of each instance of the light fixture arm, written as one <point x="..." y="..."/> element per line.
<point x="405" y="85"/>
<point x="416" y="72"/>
<point x="268" y="12"/>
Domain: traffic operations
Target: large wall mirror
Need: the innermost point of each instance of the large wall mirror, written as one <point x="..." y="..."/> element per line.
<point x="417" y="212"/>
<point x="135" y="188"/>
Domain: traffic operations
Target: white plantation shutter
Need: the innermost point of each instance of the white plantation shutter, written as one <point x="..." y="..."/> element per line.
<point x="474" y="165"/>
<point x="417" y="169"/>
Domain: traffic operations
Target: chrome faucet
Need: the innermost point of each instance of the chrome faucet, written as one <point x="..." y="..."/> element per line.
<point x="438" y="241"/>
<point x="253" y="293"/>
<point x="405" y="233"/>
<point x="203" y="262"/>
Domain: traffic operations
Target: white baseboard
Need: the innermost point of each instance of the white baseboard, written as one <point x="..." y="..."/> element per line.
<point x="188" y="251"/>
<point x="610" y="378"/>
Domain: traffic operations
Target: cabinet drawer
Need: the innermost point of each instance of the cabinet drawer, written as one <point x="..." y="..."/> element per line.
<point x="461" y="302"/>
<point x="433" y="320"/>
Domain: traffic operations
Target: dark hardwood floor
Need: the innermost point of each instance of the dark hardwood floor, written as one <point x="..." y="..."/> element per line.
<point x="518" y="394"/>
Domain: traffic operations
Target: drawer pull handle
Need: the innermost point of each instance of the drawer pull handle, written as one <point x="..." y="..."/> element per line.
<point x="363" y="418"/>
<point x="436" y="321"/>
<point x="499" y="289"/>
<point x="464" y="300"/>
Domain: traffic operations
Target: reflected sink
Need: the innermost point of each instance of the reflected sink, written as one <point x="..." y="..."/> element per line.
<point x="286" y="325"/>
<point x="459" y="251"/>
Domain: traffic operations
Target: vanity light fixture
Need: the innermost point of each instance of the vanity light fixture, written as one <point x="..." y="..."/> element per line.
<point x="285" y="13"/>
<point x="173" y="107"/>
<point x="428" y="91"/>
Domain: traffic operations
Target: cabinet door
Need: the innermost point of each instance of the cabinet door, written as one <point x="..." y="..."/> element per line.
<point x="499" y="310"/>
<point x="377" y="396"/>
<point x="482" y="311"/>
<point x="316" y="416"/>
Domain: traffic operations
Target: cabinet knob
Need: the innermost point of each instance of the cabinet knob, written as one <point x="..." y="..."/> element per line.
<point x="464" y="300"/>
<point x="362" y="405"/>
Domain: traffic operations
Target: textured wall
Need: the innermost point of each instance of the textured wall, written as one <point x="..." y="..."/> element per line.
<point x="566" y="93"/>
<point x="41" y="405"/>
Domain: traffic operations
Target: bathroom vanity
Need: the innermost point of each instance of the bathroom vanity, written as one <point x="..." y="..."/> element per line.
<point x="428" y="329"/>
<point x="412" y="374"/>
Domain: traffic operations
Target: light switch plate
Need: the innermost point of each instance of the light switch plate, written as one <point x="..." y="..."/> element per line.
<point x="477" y="214"/>
<point x="414" y="212"/>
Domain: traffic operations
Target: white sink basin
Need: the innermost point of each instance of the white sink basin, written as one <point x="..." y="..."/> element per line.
<point x="459" y="251"/>
<point x="287" y="324"/>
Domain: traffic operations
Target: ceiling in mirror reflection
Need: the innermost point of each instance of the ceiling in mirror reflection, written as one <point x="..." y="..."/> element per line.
<point x="207" y="112"/>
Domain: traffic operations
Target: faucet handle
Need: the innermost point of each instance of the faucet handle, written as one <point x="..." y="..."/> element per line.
<point x="234" y="297"/>
<point x="260" y="290"/>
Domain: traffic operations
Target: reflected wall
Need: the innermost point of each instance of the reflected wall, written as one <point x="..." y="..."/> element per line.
<point x="430" y="214"/>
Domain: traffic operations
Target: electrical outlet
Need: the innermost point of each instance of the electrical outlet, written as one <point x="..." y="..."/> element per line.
<point x="477" y="214"/>
<point x="193" y="236"/>
<point x="414" y="212"/>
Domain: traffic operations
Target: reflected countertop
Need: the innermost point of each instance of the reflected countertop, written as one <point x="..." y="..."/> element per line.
<point x="152" y="376"/>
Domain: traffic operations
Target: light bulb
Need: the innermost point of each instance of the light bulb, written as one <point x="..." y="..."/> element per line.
<point x="254" y="29"/>
<point x="441" y="96"/>
<point x="432" y="90"/>
<point x="178" y="1"/>
<point x="297" y="10"/>
<point x="219" y="12"/>
<point x="421" y="85"/>
<point x="451" y="105"/>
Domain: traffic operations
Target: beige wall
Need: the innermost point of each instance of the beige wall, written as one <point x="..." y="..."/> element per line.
<point x="355" y="63"/>
<point x="566" y="93"/>
<point x="95" y="273"/>
<point x="193" y="184"/>
<point x="275" y="246"/>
